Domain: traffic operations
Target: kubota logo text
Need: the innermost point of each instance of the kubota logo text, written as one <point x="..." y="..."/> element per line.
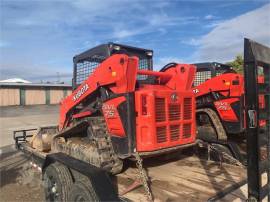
<point x="80" y="92"/>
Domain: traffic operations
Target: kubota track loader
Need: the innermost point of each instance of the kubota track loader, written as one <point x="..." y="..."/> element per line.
<point x="219" y="94"/>
<point x="220" y="106"/>
<point x="120" y="108"/>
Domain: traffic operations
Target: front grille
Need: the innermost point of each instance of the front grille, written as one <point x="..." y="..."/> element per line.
<point x="186" y="131"/>
<point x="161" y="134"/>
<point x="174" y="112"/>
<point x="187" y="108"/>
<point x="160" y="109"/>
<point x="174" y="132"/>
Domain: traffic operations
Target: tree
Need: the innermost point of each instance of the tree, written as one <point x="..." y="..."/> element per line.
<point x="237" y="64"/>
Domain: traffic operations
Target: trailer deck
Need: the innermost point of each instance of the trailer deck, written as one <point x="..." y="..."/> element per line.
<point x="188" y="178"/>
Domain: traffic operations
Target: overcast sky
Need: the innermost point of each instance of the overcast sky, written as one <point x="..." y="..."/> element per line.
<point x="40" y="37"/>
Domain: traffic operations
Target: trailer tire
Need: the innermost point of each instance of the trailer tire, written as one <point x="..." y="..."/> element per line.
<point x="82" y="191"/>
<point x="57" y="181"/>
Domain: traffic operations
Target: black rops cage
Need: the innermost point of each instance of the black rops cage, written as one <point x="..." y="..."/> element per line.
<point x="86" y="62"/>
<point x="209" y="70"/>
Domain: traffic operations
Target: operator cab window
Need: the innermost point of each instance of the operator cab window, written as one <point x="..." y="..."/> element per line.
<point x="86" y="62"/>
<point x="201" y="77"/>
<point x="84" y="69"/>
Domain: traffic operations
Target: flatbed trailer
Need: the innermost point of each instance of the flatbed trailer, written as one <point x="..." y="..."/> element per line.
<point x="186" y="177"/>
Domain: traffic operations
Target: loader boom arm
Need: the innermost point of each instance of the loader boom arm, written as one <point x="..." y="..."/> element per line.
<point x="118" y="71"/>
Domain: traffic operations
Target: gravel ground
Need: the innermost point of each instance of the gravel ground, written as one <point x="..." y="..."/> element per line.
<point x="19" y="182"/>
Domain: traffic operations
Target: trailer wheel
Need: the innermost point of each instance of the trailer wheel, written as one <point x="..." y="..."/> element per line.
<point x="82" y="191"/>
<point x="58" y="181"/>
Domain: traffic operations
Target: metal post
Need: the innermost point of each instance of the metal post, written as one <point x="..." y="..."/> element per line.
<point x="258" y="136"/>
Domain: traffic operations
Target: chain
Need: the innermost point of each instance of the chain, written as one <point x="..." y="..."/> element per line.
<point x="143" y="176"/>
<point x="228" y="157"/>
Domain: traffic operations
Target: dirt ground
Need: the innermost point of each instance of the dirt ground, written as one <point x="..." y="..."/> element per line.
<point x="18" y="181"/>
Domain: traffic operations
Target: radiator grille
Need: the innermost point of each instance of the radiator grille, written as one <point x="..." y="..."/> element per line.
<point x="169" y="118"/>
<point x="161" y="134"/>
<point x="160" y="109"/>
<point x="174" y="112"/>
<point x="187" y="108"/>
<point x="174" y="132"/>
<point x="186" y="130"/>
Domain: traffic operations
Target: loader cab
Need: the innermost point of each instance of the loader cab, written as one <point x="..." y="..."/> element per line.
<point x="209" y="70"/>
<point x="85" y="63"/>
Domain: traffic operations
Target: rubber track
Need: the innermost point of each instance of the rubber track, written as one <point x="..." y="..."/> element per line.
<point x="221" y="133"/>
<point x="109" y="160"/>
<point x="96" y="149"/>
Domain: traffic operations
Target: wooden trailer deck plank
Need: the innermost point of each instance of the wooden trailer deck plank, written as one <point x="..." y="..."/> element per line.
<point x="188" y="178"/>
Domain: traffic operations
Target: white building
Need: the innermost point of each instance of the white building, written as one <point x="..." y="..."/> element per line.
<point x="15" y="80"/>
